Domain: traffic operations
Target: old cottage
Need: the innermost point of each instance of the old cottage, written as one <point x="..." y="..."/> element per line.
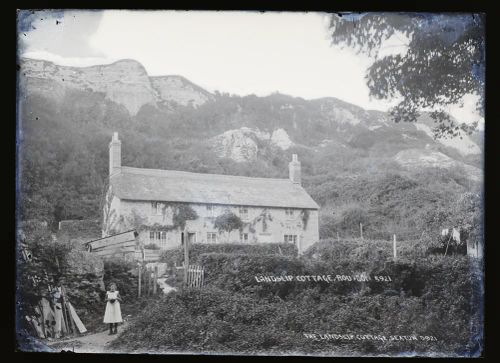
<point x="162" y="204"/>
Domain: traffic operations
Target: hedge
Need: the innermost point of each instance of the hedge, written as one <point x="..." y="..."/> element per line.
<point x="234" y="313"/>
<point x="197" y="249"/>
<point x="369" y="251"/>
<point x="238" y="272"/>
<point x="410" y="278"/>
<point x="212" y="320"/>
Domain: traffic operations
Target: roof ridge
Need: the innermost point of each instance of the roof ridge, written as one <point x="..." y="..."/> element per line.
<point x="160" y="171"/>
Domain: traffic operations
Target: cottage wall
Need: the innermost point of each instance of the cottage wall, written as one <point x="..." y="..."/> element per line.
<point x="262" y="225"/>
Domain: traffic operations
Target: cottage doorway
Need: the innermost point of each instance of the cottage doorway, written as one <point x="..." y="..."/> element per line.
<point x="191" y="237"/>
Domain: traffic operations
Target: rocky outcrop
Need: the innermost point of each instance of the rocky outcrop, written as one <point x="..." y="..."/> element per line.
<point x="239" y="145"/>
<point x="243" y="144"/>
<point x="281" y="139"/>
<point x="464" y="144"/>
<point x="413" y="159"/>
<point x="179" y="90"/>
<point x="125" y="82"/>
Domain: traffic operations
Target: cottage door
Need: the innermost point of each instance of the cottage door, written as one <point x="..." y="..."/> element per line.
<point x="191" y="238"/>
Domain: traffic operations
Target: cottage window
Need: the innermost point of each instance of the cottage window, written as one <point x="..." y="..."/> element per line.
<point x="158" y="237"/>
<point x="290" y="238"/>
<point x="243" y="213"/>
<point x="163" y="238"/>
<point x="289" y="212"/>
<point x="210" y="210"/>
<point x="211" y="237"/>
<point x="156" y="208"/>
<point x="244" y="237"/>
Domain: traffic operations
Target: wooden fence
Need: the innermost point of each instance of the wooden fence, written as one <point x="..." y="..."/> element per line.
<point x="147" y="280"/>
<point x="195" y="276"/>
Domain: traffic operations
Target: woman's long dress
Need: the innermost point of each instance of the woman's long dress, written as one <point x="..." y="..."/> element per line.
<point x="113" y="313"/>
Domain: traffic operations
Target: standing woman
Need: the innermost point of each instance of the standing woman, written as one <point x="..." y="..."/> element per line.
<point x="113" y="313"/>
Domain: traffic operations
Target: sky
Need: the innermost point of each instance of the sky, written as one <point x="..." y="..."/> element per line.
<point x="236" y="52"/>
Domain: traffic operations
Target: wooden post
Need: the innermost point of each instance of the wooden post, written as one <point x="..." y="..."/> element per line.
<point x="140" y="277"/>
<point x="361" y="230"/>
<point x="448" y="243"/>
<point x="155" y="279"/>
<point x="70" y="318"/>
<point x="185" y="241"/>
<point x="394" y="251"/>
<point x="338" y="238"/>
<point x="149" y="280"/>
<point x="64" y="315"/>
<point x="42" y="318"/>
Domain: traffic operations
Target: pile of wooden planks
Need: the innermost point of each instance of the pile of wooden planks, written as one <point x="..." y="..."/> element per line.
<point x="122" y="244"/>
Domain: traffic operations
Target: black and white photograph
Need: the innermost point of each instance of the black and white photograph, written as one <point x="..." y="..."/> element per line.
<point x="252" y="183"/>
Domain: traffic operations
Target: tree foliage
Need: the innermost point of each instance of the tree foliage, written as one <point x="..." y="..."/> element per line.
<point x="228" y="222"/>
<point x="444" y="59"/>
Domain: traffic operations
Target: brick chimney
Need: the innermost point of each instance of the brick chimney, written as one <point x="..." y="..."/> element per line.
<point x="115" y="155"/>
<point x="294" y="169"/>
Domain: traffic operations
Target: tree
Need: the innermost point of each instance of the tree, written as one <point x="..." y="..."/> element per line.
<point x="444" y="60"/>
<point x="228" y="222"/>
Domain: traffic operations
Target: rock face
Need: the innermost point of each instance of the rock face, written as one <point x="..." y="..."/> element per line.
<point x="243" y="144"/>
<point x="239" y="145"/>
<point x="281" y="139"/>
<point x="179" y="90"/>
<point x="463" y="145"/>
<point x="125" y="82"/>
<point x="421" y="158"/>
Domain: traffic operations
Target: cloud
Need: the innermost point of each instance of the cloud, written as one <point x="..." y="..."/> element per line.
<point x="68" y="61"/>
<point x="65" y="33"/>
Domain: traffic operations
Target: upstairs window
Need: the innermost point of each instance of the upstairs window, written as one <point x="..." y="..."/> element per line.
<point x="290" y="238"/>
<point x="210" y="210"/>
<point x="289" y="212"/>
<point x="243" y="213"/>
<point x="156" y="208"/>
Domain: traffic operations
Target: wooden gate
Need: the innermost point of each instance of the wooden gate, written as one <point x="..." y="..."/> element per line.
<point x="195" y="276"/>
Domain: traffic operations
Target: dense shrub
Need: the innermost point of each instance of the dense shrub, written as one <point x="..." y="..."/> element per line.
<point x="124" y="274"/>
<point x="220" y="321"/>
<point x="367" y="251"/>
<point x="238" y="272"/>
<point x="197" y="249"/>
<point x="234" y="313"/>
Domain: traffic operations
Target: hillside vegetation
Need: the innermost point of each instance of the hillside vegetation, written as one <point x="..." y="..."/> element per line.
<point x="347" y="153"/>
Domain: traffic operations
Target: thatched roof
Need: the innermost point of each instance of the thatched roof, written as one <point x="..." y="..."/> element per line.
<point x="181" y="186"/>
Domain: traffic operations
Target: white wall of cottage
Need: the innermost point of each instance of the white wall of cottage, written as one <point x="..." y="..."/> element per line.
<point x="280" y="225"/>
